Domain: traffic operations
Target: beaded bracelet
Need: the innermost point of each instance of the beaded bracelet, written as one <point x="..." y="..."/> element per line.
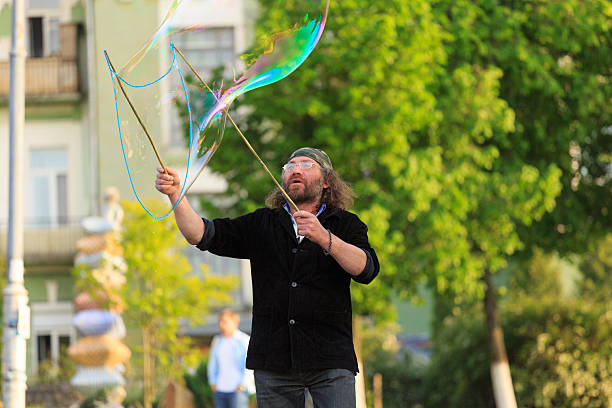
<point x="330" y="241"/>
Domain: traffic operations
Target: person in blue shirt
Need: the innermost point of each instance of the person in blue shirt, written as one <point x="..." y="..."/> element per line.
<point x="229" y="379"/>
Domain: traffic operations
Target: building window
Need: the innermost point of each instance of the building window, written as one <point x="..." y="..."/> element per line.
<point x="49" y="172"/>
<point x="36" y="37"/>
<point x="44" y="347"/>
<point x="51" y="349"/>
<point x="43" y="29"/>
<point x="206" y="50"/>
<point x="64" y="343"/>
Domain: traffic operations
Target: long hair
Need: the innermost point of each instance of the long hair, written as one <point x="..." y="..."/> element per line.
<point x="339" y="195"/>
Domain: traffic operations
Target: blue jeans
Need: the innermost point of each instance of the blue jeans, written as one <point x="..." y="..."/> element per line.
<point x="333" y="388"/>
<point x="225" y="399"/>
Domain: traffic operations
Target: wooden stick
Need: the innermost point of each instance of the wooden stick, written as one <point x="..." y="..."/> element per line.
<point x="239" y="132"/>
<point x="137" y="116"/>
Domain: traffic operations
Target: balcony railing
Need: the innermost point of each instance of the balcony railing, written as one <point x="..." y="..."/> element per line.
<point x="52" y="75"/>
<point x="46" y="241"/>
<point x="44" y="76"/>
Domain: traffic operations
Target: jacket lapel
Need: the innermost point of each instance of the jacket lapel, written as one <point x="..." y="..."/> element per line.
<point x="286" y="223"/>
<point x="326" y="215"/>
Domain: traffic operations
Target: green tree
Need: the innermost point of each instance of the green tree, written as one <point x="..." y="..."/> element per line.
<point x="555" y="59"/>
<point x="360" y="96"/>
<point x="198" y="384"/>
<point x="455" y="122"/>
<point x="541" y="276"/>
<point x="161" y="292"/>
<point x="596" y="268"/>
<point x="402" y="378"/>
<point x="558" y="348"/>
<point x="425" y="136"/>
<point x="552" y="60"/>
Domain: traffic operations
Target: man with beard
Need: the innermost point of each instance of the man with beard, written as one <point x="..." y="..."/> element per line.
<point x="302" y="263"/>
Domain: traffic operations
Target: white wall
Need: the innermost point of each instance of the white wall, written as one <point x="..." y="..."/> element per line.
<point x="59" y="134"/>
<point x="46" y="134"/>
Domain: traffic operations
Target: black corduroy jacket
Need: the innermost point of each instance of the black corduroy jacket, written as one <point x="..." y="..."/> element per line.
<point x="302" y="314"/>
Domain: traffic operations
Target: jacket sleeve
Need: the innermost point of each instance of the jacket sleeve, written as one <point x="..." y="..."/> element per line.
<point x="230" y="237"/>
<point x="358" y="236"/>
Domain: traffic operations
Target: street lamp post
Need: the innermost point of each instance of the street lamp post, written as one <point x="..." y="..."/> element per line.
<point x="16" y="322"/>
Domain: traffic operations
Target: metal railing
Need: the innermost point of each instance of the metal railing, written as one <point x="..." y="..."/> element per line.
<point x="46" y="240"/>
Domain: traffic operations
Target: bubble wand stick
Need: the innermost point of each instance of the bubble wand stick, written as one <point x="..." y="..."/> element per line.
<point x="239" y="132"/>
<point x="136" y="114"/>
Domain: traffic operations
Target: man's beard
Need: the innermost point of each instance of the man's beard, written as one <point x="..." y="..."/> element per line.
<point x="311" y="193"/>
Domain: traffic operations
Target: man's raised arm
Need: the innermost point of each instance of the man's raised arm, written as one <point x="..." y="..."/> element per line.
<point x="188" y="221"/>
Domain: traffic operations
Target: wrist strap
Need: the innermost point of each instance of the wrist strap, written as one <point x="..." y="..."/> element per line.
<point x="330" y="242"/>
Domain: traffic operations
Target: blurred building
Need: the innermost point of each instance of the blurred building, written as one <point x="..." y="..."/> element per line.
<point x="55" y="187"/>
<point x="72" y="152"/>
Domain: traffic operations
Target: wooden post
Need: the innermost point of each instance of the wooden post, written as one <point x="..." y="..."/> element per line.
<point x="377" y="385"/>
<point x="360" y="391"/>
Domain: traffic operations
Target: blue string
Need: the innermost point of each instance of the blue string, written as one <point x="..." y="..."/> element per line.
<point x="115" y="74"/>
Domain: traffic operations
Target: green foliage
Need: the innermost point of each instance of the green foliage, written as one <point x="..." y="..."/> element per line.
<point x="63" y="371"/>
<point x="558" y="345"/>
<point x="458" y="373"/>
<point x="555" y="58"/>
<point x="95" y="400"/>
<point x="472" y="131"/>
<point x="596" y="268"/>
<point x="162" y="289"/>
<point x="541" y="276"/>
<point x="364" y="87"/>
<point x="134" y="397"/>
<point x="558" y="351"/>
<point x="458" y="117"/>
<point x="197" y="383"/>
<point x="564" y="347"/>
<point x="402" y="377"/>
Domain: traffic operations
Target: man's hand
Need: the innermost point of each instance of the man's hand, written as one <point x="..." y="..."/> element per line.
<point x="309" y="226"/>
<point x="188" y="221"/>
<point x="213" y="386"/>
<point x="168" y="184"/>
<point x="351" y="258"/>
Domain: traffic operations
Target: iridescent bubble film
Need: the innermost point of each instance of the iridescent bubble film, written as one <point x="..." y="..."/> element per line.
<point x="167" y="103"/>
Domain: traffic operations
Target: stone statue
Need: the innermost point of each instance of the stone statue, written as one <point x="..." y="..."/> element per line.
<point x="112" y="210"/>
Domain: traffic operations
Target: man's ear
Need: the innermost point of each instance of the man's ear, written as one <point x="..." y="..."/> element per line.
<point x="325" y="175"/>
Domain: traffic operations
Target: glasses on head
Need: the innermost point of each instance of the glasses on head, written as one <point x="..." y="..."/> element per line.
<point x="303" y="165"/>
